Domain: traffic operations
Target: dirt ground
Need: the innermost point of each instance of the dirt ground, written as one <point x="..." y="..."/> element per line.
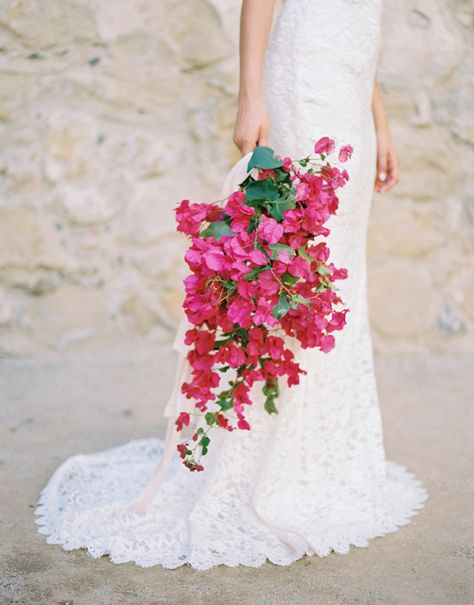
<point x="99" y="397"/>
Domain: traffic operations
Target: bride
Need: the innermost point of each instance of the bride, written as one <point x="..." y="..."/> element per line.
<point x="314" y="478"/>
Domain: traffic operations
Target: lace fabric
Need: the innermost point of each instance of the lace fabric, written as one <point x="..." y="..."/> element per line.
<point x="202" y="521"/>
<point x="314" y="478"/>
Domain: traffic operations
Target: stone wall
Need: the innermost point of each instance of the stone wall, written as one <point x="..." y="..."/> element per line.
<point x="111" y="112"/>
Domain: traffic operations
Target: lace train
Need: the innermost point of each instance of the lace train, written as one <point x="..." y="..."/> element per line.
<point x="91" y="493"/>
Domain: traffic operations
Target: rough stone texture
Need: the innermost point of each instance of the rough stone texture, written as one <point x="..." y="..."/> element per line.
<point x="60" y="405"/>
<point x="421" y="244"/>
<point x="110" y="116"/>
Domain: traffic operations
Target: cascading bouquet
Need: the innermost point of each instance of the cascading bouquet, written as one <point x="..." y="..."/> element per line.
<point x="259" y="270"/>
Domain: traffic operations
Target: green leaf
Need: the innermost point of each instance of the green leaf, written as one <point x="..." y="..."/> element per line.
<point x="304" y="254"/>
<point x="217" y="230"/>
<point x="223" y="341"/>
<point x="270" y="406"/>
<point x="243" y="335"/>
<point x="262" y="190"/>
<point x="264" y="157"/>
<point x="254" y="273"/>
<point x="226" y="405"/>
<point x="278" y="206"/>
<point x="282" y="175"/>
<point x="271" y="388"/>
<point x="245" y="182"/>
<point x="294" y="304"/>
<point x="304" y="301"/>
<point x="276" y="386"/>
<point x="282" y="307"/>
<point x="298" y="300"/>
<point x="253" y="223"/>
<point x="205" y="441"/>
<point x="228" y="284"/>
<point x="278" y="248"/>
<point x="323" y="270"/>
<point x="210" y="418"/>
<point x="288" y="279"/>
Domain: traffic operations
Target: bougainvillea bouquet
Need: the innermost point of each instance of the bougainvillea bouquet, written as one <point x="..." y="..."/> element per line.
<point x="260" y="270"/>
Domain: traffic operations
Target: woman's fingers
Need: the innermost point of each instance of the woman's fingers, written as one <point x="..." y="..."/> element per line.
<point x="263" y="138"/>
<point x="246" y="146"/>
<point x="388" y="169"/>
<point x="248" y="143"/>
<point x="251" y="128"/>
<point x="393" y="171"/>
<point x="246" y="137"/>
<point x="244" y="142"/>
<point x="382" y="169"/>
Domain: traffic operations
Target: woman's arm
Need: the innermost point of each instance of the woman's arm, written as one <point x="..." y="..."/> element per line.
<point x="252" y="123"/>
<point x="388" y="169"/>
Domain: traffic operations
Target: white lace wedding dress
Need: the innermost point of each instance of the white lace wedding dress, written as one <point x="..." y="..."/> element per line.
<point x="314" y="478"/>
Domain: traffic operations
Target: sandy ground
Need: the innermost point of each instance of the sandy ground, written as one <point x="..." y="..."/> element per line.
<point x="92" y="399"/>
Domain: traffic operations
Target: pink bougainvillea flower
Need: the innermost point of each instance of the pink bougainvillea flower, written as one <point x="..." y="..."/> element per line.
<point x="327" y="343"/>
<point x="235" y="200"/>
<point x="190" y="216"/>
<point x="236" y="356"/>
<point x="265" y="174"/>
<point x="269" y="230"/>
<point x="324" y="145"/>
<point x="204" y="341"/>
<point x="182" y="420"/>
<point x="338" y="273"/>
<point x="246" y="289"/>
<point x="222" y="421"/>
<point x="241" y="397"/>
<point x="238" y="211"/>
<point x="243" y="424"/>
<point x="302" y="191"/>
<point x="268" y="283"/>
<point x="238" y="270"/>
<point x="239" y="312"/>
<point x="319" y="252"/>
<point x="258" y="258"/>
<point x="201" y="361"/>
<point x="345" y="153"/>
<point x="263" y="313"/>
<point x="337" y="321"/>
<point x="233" y="247"/>
<point x="299" y="267"/>
<point x="292" y="220"/>
<point x="275" y="346"/>
<point x="214" y="259"/>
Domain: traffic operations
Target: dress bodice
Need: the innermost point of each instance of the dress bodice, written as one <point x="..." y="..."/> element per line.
<point x="344" y="28"/>
<point x="326" y="54"/>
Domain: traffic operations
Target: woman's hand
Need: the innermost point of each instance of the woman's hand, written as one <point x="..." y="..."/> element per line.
<point x="388" y="166"/>
<point x="251" y="124"/>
